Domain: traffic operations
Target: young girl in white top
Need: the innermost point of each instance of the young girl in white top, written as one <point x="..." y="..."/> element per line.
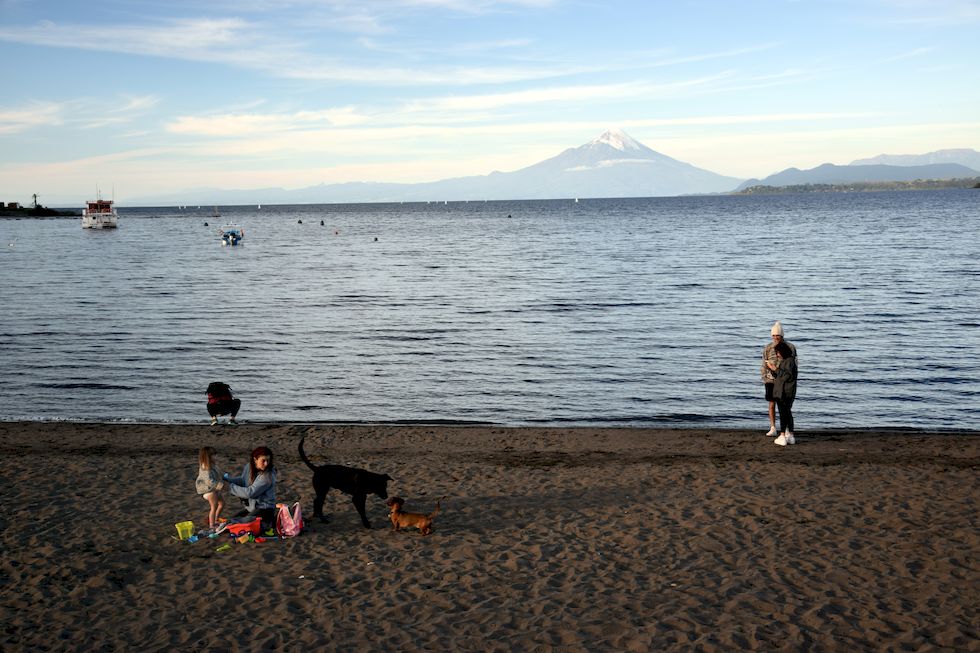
<point x="209" y="484"/>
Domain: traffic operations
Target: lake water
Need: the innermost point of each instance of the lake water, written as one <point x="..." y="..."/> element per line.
<point x="607" y="312"/>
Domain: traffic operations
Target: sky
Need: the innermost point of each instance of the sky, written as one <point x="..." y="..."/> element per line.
<point x="140" y="97"/>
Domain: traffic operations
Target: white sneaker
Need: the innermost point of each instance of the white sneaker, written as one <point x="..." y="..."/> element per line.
<point x="772" y="431"/>
<point x="214" y="420"/>
<point x="781" y="440"/>
<point x="790" y="438"/>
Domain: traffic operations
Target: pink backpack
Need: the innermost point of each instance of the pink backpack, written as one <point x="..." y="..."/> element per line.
<point x="289" y="525"/>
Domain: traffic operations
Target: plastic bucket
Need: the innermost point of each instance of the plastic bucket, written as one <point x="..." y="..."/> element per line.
<point x="185" y="529"/>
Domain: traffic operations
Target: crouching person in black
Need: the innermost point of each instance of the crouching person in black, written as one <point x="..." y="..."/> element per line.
<point x="220" y="402"/>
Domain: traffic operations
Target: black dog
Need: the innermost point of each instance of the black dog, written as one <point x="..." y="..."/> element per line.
<point x="356" y="482"/>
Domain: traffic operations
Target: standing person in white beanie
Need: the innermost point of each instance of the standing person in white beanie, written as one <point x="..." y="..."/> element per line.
<point x="769" y="365"/>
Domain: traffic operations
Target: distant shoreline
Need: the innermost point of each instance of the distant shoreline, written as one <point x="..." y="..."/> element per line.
<point x="865" y="187"/>
<point x="37" y="212"/>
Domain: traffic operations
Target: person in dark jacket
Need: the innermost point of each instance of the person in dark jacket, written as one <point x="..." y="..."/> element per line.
<point x="221" y="402"/>
<point x="784" y="392"/>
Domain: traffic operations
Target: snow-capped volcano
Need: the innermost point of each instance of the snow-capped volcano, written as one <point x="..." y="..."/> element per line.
<point x="614" y="165"/>
<point x="613" y="147"/>
<point x="617" y="139"/>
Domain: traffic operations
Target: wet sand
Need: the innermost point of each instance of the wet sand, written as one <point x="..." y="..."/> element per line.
<point x="549" y="539"/>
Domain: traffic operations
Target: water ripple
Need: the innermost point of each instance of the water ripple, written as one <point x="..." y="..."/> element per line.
<point x="625" y="312"/>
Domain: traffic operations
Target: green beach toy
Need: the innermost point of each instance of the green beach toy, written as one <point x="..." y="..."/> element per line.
<point x="223" y="547"/>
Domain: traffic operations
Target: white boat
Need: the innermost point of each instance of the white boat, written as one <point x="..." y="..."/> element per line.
<point x="99" y="214"/>
<point x="232" y="235"/>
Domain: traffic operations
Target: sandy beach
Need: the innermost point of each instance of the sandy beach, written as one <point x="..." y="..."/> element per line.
<point x="549" y="539"/>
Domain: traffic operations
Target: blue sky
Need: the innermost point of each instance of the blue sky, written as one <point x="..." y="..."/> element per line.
<point x="148" y="96"/>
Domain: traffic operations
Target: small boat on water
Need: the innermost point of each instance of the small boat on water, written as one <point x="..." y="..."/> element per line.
<point x="232" y="235"/>
<point x="99" y="214"/>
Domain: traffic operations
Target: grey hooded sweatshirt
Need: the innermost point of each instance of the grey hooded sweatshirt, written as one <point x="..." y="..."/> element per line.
<point x="260" y="493"/>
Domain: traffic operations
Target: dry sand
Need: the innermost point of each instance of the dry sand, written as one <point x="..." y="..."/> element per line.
<point x="550" y="539"/>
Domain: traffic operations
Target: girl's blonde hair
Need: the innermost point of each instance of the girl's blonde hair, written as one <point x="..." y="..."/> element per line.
<point x="206" y="457"/>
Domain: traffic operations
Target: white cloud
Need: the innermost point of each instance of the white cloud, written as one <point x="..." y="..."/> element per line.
<point x="917" y="52"/>
<point x="87" y="113"/>
<point x="661" y="61"/>
<point x="37" y="114"/>
<point x="94" y="113"/>
<point x="932" y="12"/>
<point x="476" y="6"/>
<point x="272" y="48"/>
<point x="178" y="38"/>
<point x="137" y="104"/>
<point x="234" y="41"/>
<point x="104" y="121"/>
<point x="358" y="23"/>
<point x="762" y="118"/>
<point x="341" y="7"/>
<point x="423" y="112"/>
<point x="443" y="49"/>
<point x="565" y="94"/>
<point x="609" y="163"/>
<point x="432" y="75"/>
<point x="250" y="125"/>
<point x="536" y="96"/>
<point x="230" y="41"/>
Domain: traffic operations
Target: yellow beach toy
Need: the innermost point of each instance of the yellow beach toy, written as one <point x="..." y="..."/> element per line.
<point x="185" y="529"/>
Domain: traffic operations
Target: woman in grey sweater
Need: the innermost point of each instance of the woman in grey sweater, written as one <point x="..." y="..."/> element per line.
<point x="256" y="487"/>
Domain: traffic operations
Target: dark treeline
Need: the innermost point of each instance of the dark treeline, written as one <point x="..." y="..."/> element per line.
<point x="868" y="186"/>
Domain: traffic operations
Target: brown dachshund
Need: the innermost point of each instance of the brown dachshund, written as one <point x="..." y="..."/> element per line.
<point x="400" y="520"/>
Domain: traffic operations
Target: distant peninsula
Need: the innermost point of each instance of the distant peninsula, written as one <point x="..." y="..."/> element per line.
<point x="15" y="210"/>
<point x="863" y="186"/>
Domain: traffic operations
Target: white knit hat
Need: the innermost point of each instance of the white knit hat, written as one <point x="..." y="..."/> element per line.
<point x="777" y="329"/>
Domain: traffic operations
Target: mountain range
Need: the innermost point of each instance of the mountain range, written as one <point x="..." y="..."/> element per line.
<point x="829" y="173"/>
<point x="963" y="156"/>
<point x="612" y="165"/>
